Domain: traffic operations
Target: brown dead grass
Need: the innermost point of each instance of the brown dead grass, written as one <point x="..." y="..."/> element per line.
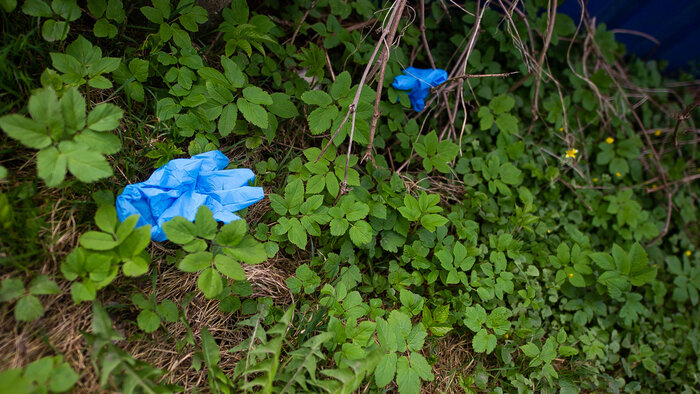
<point x="454" y="359"/>
<point x="59" y="331"/>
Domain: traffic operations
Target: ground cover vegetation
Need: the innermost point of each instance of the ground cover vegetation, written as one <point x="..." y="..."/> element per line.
<point x="534" y="229"/>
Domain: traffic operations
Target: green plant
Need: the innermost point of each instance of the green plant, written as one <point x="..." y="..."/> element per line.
<point x="67" y="139"/>
<point x="97" y="260"/>
<point x="228" y="247"/>
<point x="47" y="374"/>
<point x="28" y="306"/>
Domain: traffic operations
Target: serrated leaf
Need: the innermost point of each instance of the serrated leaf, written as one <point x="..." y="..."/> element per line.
<point x="209" y="282"/>
<point x="385" y="370"/>
<point x="253" y="113"/>
<point x="195" y="262"/>
<point x="229" y="267"/>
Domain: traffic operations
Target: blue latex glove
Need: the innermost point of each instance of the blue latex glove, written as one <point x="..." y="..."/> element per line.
<point x="180" y="187"/>
<point x="419" y="81"/>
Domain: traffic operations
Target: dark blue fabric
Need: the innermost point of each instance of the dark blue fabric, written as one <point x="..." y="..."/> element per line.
<point x="419" y="81"/>
<point x="181" y="186"/>
<point x="674" y="23"/>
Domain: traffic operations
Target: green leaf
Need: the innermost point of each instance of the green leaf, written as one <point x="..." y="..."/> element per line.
<point x="209" y="282"/>
<point x="37" y="8"/>
<point x="10" y="289"/>
<point x="432" y="221"/>
<point x="103" y="28"/>
<point x="253" y="113"/>
<point x="385" y="370"/>
<point x="257" y="96"/>
<point x="510" y="174"/>
<point x="180" y="230"/>
<point x="42" y="285"/>
<point x="97" y="240"/>
<point x="484" y="342"/>
<point x="53" y="30"/>
<point x="168" y="310"/>
<point x="248" y="250"/>
<point x="105" y="143"/>
<point x="139" y="69"/>
<point x="135" y="266"/>
<point x="502" y="103"/>
<point x="204" y="223"/>
<point x="475" y="317"/>
<point x="603" y="260"/>
<point x="148" y="321"/>
<point x="229" y="267"/>
<point x="210" y="349"/>
<point x="316" y="97"/>
<point x="195" y="262"/>
<point x="421" y="366"/>
<point x="152" y="15"/>
<point x="341" y="86"/>
<point x="227" y="120"/>
<point x="621" y="261"/>
<point x="530" y="349"/>
<point x="73" y="109"/>
<point x="360" y="233"/>
<point x="28" y="308"/>
<point x="406" y="378"/>
<point x="104" y="117"/>
<point x="85" y="164"/>
<point x="83" y="291"/>
<point x="29" y="132"/>
<point x="282" y="106"/>
<point x="106" y="218"/>
<point x="62" y="378"/>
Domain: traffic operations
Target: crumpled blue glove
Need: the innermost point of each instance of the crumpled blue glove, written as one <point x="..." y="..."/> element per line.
<point x="181" y="186"/>
<point x="419" y="81"/>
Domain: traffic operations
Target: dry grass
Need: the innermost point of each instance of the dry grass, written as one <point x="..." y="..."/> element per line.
<point x="454" y="359"/>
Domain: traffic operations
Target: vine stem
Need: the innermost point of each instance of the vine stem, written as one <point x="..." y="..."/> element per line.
<point x="396" y="11"/>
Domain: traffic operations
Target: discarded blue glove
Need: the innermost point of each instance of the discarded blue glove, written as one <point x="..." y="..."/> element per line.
<point x="419" y="81"/>
<point x="181" y="186"/>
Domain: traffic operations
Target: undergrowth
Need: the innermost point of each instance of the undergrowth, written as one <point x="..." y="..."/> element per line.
<point x="533" y="229"/>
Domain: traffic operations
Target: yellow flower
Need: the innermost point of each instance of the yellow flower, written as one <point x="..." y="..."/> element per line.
<point x="506" y="335"/>
<point x="610" y="140"/>
<point x="595" y="179"/>
<point x="651" y="155"/>
<point x="688" y="253"/>
<point x="654" y="186"/>
<point x="571" y="275"/>
<point x="571" y="152"/>
<point x="561" y="129"/>
<point x="618" y="174"/>
<point x="657" y="133"/>
<point x="549" y="231"/>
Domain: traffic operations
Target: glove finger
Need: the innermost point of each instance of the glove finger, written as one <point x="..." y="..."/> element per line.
<point x="239" y="198"/>
<point x="404" y="82"/>
<point x="132" y="202"/>
<point x="179" y="173"/>
<point x="224" y="179"/>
